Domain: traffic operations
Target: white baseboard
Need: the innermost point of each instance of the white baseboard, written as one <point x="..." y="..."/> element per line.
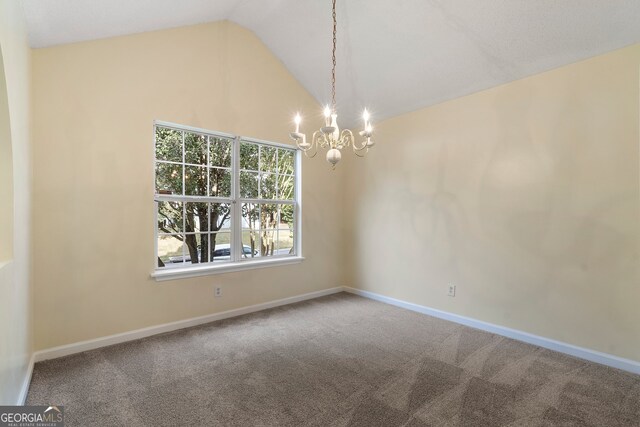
<point x="580" y="352"/>
<point x="24" y="390"/>
<point x="65" y="350"/>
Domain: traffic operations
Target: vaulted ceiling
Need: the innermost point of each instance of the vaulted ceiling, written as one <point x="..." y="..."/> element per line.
<point x="393" y="56"/>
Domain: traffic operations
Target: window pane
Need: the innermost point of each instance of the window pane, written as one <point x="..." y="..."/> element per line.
<point x="250" y="244"/>
<point x="268" y="242"/>
<point x="168" y="178"/>
<point x="220" y="151"/>
<point x="250" y="216"/>
<point x="170" y="251"/>
<point x="196" y="253"/>
<point x="268" y="216"/>
<point x="168" y="144"/>
<point x="196" y="217"/>
<point x="195" y="180"/>
<point x="248" y="156"/>
<point x="249" y="185"/>
<point x="286" y="216"/>
<point x="285" y="161"/>
<point x="195" y="148"/>
<point x="220" y="217"/>
<point x="170" y="217"/>
<point x="268" y="158"/>
<point x="285" y="242"/>
<point x="219" y="182"/>
<point x="268" y="186"/>
<point x="220" y="246"/>
<point x="285" y="187"/>
<point x="250" y="230"/>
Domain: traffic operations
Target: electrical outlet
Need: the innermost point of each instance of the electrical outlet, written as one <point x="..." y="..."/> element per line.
<point x="218" y="292"/>
<point x="452" y="291"/>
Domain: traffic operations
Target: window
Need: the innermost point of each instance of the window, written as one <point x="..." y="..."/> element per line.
<point x="223" y="202"/>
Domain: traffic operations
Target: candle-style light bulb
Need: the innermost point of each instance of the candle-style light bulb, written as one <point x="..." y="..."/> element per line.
<point x="297" y="121"/>
<point x="327" y="115"/>
<point x="368" y="128"/>
<point x="365" y="117"/>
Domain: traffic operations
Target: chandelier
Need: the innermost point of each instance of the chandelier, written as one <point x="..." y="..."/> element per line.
<point x="330" y="136"/>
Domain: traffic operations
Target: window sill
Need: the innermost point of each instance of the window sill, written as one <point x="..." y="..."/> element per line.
<point x="183" y="273"/>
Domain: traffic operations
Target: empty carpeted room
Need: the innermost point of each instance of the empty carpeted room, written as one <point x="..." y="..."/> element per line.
<point x="319" y="213"/>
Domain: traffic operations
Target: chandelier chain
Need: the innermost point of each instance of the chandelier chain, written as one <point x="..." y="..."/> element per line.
<point x="333" y="70"/>
<point x="330" y="136"/>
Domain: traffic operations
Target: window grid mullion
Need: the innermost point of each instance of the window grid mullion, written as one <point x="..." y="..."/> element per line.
<point x="184" y="205"/>
<point x="208" y="235"/>
<point x="209" y="248"/>
<point x="260" y="230"/>
<point x="171" y="162"/>
<point x="237" y="209"/>
<point x="259" y="171"/>
<point x="192" y="199"/>
<point x="208" y="165"/>
<point x="268" y="201"/>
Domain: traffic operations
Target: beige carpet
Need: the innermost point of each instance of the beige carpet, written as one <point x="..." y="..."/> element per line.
<point x="340" y="360"/>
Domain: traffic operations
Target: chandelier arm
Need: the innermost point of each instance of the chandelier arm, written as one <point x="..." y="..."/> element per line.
<point x="346" y="139"/>
<point x="300" y="140"/>
<point x="357" y="152"/>
<point x="312" y="145"/>
<point x="357" y="148"/>
<point x="320" y="139"/>
<point x="310" y="156"/>
<point x="316" y="141"/>
<point x="307" y="149"/>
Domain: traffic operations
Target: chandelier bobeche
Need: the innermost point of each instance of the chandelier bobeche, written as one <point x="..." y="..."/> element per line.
<point x="330" y="136"/>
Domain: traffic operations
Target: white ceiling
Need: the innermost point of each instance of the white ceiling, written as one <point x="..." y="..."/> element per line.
<point x="393" y="56"/>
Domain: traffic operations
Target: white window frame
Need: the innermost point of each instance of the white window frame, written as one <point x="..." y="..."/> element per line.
<point x="237" y="262"/>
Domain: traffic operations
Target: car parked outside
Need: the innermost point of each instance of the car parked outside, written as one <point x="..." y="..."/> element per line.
<point x="222" y="252"/>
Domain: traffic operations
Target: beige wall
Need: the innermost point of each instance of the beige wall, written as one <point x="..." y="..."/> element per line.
<point x="15" y="299"/>
<point x="6" y="173"/>
<point x="94" y="104"/>
<point x="525" y="196"/>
